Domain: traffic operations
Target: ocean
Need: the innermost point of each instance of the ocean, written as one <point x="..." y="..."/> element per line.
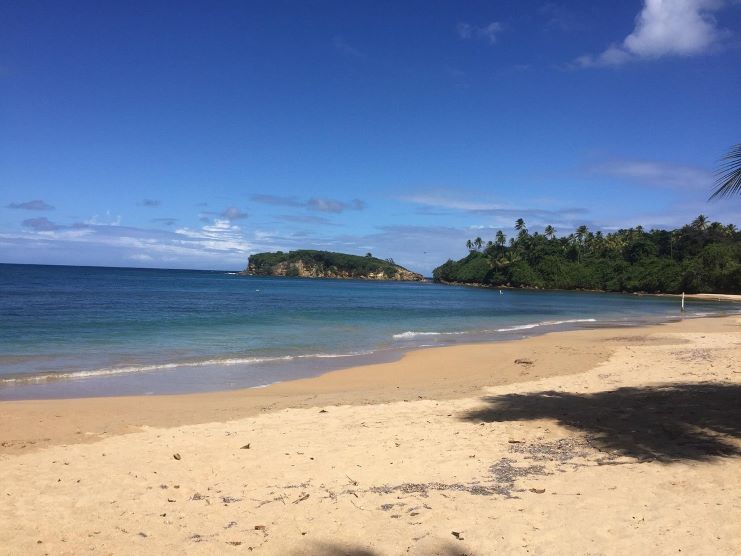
<point x="87" y="331"/>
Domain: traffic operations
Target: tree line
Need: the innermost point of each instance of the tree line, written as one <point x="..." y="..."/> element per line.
<point x="702" y="256"/>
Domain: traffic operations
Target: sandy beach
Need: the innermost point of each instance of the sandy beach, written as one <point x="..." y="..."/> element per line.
<point x="607" y="441"/>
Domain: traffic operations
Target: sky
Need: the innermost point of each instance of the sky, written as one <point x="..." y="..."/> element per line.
<point x="192" y="134"/>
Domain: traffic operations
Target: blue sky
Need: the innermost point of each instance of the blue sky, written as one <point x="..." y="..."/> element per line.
<point x="191" y="134"/>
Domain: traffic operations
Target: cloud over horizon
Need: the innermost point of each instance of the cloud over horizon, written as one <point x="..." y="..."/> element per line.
<point x="664" y="28"/>
<point x="42" y="224"/>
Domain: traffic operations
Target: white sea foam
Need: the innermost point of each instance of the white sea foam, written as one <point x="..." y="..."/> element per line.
<point x="543" y="323"/>
<point x="412" y="334"/>
<point x="112" y="371"/>
<point x="333" y="355"/>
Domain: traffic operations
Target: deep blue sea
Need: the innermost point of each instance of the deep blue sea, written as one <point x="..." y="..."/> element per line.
<point x="81" y="331"/>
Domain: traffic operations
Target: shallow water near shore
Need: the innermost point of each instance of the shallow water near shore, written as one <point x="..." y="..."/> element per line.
<point x="84" y="331"/>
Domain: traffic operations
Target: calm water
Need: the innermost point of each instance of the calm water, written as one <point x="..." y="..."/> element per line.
<point x="77" y="331"/>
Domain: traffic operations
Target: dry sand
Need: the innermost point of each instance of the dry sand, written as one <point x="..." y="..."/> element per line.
<point x="598" y="442"/>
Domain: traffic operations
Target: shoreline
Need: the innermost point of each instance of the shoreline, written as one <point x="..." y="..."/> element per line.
<point x="52" y="385"/>
<point x="609" y="441"/>
<point x="445" y="372"/>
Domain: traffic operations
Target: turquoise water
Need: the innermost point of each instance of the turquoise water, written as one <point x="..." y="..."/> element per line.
<point x="77" y="331"/>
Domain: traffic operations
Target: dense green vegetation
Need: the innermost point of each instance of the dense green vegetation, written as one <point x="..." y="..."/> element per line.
<point x="324" y="261"/>
<point x="699" y="257"/>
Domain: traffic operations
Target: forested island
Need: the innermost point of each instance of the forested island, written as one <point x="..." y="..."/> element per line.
<point x="326" y="264"/>
<point x="699" y="257"/>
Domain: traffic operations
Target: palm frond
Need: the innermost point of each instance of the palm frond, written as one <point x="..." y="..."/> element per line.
<point x="728" y="176"/>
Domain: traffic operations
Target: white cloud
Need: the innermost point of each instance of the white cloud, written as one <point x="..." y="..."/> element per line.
<point x="665" y="28"/>
<point x="141" y="257"/>
<point x="36" y="204"/>
<point x="488" y="32"/>
<point x="107" y="220"/>
<point x="445" y="202"/>
<point x="660" y="174"/>
<point x="331" y="205"/>
<point x="320" y="204"/>
<point x="233" y="213"/>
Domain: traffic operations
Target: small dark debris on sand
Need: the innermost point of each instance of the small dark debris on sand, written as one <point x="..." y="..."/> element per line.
<point x="505" y="474"/>
<point x="562" y="450"/>
<point x="304" y="496"/>
<point x="176" y="456"/>
<point x="424" y="488"/>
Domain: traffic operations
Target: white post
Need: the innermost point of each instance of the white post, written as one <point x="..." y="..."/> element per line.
<point x="683" y="302"/>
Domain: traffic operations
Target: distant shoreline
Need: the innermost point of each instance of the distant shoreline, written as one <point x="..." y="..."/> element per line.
<point x="699" y="296"/>
<point x="706" y="296"/>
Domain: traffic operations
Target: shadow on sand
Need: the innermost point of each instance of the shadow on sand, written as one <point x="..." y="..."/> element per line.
<point x="669" y="423"/>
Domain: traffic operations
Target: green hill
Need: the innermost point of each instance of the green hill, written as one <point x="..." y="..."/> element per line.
<point x="326" y="264"/>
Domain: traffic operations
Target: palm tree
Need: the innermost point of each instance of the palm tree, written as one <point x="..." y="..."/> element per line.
<point x="501" y="239"/>
<point x="520" y="225"/>
<point x="700" y="223"/>
<point x="581" y="233"/>
<point x="469" y="245"/>
<point x="599" y="242"/>
<point x="477" y="243"/>
<point x="728" y="180"/>
<point x="550" y="231"/>
<point x="717" y="228"/>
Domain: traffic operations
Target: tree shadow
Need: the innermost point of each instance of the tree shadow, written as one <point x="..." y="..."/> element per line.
<point x="330" y="549"/>
<point x="669" y="423"/>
